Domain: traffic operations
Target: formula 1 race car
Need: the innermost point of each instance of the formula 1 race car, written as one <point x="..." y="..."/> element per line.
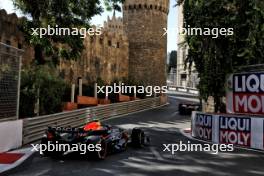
<point x="187" y="108"/>
<point x="110" y="139"/>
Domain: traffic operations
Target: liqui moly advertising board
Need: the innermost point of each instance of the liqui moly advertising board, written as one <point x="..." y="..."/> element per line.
<point x="241" y="130"/>
<point x="235" y="130"/>
<point x="202" y="125"/>
<point x="245" y="93"/>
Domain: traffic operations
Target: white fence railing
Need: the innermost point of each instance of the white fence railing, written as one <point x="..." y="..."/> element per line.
<point x="33" y="128"/>
<point x="189" y="90"/>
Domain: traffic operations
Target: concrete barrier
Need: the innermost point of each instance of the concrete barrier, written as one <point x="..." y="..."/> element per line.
<point x="10" y="135"/>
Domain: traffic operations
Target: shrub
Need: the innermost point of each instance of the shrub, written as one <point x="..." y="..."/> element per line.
<point x="41" y="82"/>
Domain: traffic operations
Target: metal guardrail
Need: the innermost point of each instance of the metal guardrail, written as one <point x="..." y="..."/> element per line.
<point x="189" y="90"/>
<point x="33" y="128"/>
<point x="8" y="119"/>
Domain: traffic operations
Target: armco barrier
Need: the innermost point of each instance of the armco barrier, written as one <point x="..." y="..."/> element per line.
<point x="188" y="90"/>
<point x="240" y="130"/>
<point x="33" y="128"/>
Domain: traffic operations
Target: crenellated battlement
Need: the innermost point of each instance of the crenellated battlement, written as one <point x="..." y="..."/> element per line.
<point x="158" y="5"/>
<point x="10" y="34"/>
<point x="114" y="25"/>
<point x="10" y="18"/>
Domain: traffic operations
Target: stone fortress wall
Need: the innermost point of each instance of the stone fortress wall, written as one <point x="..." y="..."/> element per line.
<point x="104" y="57"/>
<point x="144" y="21"/>
<point x="11" y="35"/>
<point x="133" y="47"/>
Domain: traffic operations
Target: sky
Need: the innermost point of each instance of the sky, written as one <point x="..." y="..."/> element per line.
<point x="99" y="19"/>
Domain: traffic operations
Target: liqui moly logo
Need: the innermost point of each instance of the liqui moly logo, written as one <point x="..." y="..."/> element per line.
<point x="248" y="93"/>
<point x="203" y="126"/>
<point x="235" y="130"/>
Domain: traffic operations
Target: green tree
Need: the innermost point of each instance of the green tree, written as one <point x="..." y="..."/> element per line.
<point x="113" y="5"/>
<point x="40" y="84"/>
<point x="215" y="58"/>
<point x="64" y="14"/>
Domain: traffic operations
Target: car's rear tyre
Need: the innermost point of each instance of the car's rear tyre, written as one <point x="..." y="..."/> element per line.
<point x="53" y="154"/>
<point x="182" y="109"/>
<point x="137" y="138"/>
<point x="101" y="155"/>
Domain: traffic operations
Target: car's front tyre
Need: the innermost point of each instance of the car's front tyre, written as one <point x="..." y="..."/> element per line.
<point x="138" y="137"/>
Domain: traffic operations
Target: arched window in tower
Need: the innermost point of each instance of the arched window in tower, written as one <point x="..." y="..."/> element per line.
<point x="8" y="42"/>
<point x="97" y="66"/>
<point x="109" y="43"/>
<point x="19" y="45"/>
<point x="101" y="41"/>
<point x="91" y="39"/>
<point x="117" y="45"/>
<point x="113" y="67"/>
<point x="145" y="6"/>
<point x="139" y="6"/>
<point x="151" y="6"/>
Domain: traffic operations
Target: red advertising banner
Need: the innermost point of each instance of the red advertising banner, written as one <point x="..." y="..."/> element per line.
<point x="245" y="93"/>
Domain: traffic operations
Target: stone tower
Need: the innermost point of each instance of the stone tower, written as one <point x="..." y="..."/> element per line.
<point x="144" y="21"/>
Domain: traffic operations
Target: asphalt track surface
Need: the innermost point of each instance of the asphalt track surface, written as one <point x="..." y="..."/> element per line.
<point x="164" y="126"/>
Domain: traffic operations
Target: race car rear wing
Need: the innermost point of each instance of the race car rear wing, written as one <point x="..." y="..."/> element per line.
<point x="75" y="130"/>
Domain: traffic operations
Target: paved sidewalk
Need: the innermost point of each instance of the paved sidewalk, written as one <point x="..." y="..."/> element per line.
<point x="12" y="159"/>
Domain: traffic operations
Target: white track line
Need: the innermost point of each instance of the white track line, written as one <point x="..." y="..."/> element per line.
<point x="156" y="154"/>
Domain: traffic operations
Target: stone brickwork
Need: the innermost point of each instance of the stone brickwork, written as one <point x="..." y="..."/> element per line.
<point x="104" y="57"/>
<point x="144" y="21"/>
<point x="133" y="47"/>
<point x="11" y="35"/>
<point x="114" y="25"/>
